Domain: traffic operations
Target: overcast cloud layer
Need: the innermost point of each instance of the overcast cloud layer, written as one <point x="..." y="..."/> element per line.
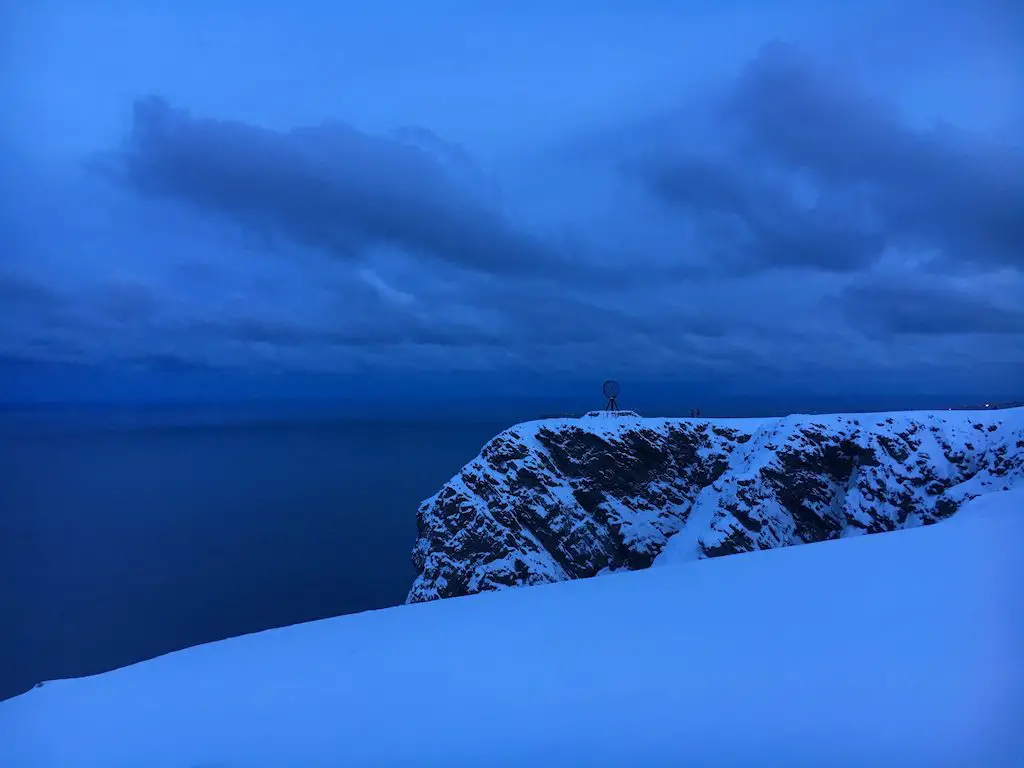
<point x="722" y="193"/>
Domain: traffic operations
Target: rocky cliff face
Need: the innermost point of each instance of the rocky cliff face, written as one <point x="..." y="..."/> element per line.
<point x="562" y="499"/>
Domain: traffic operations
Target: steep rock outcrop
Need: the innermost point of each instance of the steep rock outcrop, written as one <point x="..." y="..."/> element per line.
<point x="562" y="499"/>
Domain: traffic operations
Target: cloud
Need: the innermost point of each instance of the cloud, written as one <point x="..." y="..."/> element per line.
<point x="35" y="316"/>
<point x="928" y="307"/>
<point x="340" y="320"/>
<point x="747" y="222"/>
<point x="329" y="186"/>
<point x="945" y="187"/>
<point x="806" y="169"/>
<point x="19" y="292"/>
<point x="383" y="332"/>
<point x="742" y="241"/>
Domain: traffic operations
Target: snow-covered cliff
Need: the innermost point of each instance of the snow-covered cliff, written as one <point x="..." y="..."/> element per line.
<point x="559" y="499"/>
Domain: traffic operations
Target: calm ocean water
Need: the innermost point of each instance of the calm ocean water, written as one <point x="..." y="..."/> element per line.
<point x="121" y="541"/>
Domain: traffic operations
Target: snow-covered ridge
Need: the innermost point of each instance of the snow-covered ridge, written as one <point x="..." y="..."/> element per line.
<point x="559" y="499"/>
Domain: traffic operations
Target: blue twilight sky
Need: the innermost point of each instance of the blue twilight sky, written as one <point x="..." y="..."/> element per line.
<point x="794" y="197"/>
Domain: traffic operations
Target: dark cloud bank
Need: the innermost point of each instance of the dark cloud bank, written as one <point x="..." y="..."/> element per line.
<point x="930" y="309"/>
<point x="789" y="130"/>
<point x="797" y="172"/>
<point x="869" y="180"/>
<point x="329" y="186"/>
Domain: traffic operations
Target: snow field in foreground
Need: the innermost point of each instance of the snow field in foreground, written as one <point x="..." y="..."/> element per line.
<point x="902" y="649"/>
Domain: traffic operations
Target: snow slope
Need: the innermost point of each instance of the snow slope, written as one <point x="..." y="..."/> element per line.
<point x="901" y="649"/>
<point x="559" y="499"/>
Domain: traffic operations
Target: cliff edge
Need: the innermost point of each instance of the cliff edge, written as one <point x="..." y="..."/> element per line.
<point x="559" y="499"/>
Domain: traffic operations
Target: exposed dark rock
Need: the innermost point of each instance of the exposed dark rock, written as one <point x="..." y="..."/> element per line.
<point x="571" y="498"/>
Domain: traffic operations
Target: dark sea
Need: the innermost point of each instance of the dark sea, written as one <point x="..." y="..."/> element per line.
<point x="123" y="538"/>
